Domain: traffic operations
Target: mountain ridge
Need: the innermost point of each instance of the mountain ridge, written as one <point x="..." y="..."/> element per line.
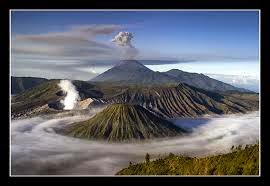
<point x="164" y="101"/>
<point x="202" y="81"/>
<point x="20" y="84"/>
<point x="132" y="72"/>
<point x="185" y="101"/>
<point x="240" y="161"/>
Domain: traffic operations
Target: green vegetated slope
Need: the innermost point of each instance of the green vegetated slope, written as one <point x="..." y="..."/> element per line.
<point x="20" y="84"/>
<point x="238" y="162"/>
<point x="49" y="93"/>
<point x="167" y="101"/>
<point x="123" y="122"/>
<point x="36" y="96"/>
<point x="185" y="101"/>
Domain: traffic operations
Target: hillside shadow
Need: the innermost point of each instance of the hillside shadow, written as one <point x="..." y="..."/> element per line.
<point x="190" y="123"/>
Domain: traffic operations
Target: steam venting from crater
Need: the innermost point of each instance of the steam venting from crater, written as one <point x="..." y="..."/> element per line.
<point x="123" y="39"/>
<point x="72" y="95"/>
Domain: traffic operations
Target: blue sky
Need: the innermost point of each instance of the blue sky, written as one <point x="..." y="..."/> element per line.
<point x="224" y="33"/>
<point x="211" y="38"/>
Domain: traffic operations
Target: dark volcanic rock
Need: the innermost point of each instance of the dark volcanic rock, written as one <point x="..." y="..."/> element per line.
<point x="57" y="105"/>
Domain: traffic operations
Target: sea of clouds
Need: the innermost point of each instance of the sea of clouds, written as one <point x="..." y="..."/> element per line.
<point x="37" y="150"/>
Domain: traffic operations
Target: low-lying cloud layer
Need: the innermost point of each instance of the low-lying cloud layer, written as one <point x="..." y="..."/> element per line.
<point x="248" y="82"/>
<point x="37" y="149"/>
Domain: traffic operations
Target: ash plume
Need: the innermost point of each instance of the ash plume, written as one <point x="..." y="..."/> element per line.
<point x="72" y="95"/>
<point x="123" y="39"/>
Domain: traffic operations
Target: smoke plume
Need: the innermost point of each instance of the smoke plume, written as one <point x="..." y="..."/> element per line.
<point x="72" y="95"/>
<point x="123" y="39"/>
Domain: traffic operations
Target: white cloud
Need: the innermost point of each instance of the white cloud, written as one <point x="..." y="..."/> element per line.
<point x="77" y="42"/>
<point x="50" y="55"/>
<point x="36" y="149"/>
<point x="53" y="69"/>
<point x="243" y="81"/>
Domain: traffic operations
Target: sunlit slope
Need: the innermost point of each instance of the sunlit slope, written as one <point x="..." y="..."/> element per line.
<point x="120" y="122"/>
<point x="238" y="162"/>
<point x="36" y="96"/>
<point x="50" y="93"/>
<point x="186" y="101"/>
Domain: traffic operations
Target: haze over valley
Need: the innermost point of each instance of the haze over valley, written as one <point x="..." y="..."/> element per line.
<point x="113" y="93"/>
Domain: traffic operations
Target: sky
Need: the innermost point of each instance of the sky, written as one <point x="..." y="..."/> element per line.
<point x="77" y="44"/>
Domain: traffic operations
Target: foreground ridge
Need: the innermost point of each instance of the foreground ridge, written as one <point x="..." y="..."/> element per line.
<point x="238" y="162"/>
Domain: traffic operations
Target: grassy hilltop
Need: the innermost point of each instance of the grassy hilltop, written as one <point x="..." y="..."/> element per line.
<point x="243" y="161"/>
<point x="122" y="122"/>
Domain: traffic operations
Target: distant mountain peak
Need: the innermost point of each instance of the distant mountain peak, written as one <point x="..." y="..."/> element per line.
<point x="202" y="81"/>
<point x="133" y="72"/>
<point x="131" y="63"/>
<point x="174" y="70"/>
<point x="130" y="72"/>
